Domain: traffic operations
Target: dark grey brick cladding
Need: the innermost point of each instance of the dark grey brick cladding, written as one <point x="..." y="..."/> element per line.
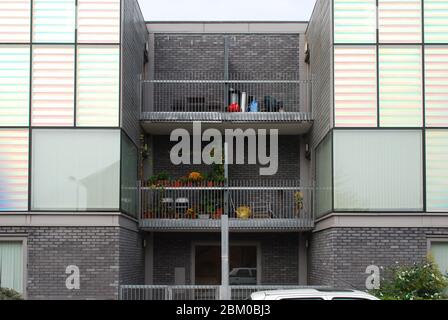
<point x="339" y="256"/>
<point x="279" y="255"/>
<point x="288" y="161"/>
<point x="106" y="256"/>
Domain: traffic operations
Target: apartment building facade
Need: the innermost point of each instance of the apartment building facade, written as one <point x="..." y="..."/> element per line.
<point x="90" y="94"/>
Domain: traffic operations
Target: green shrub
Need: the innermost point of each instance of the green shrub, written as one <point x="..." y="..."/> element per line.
<point x="9" y="294"/>
<point x="421" y="281"/>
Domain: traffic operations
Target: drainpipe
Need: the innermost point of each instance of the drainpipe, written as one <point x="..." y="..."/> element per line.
<point x="224" y="293"/>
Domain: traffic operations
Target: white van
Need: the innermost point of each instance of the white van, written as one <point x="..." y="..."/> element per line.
<point x="312" y="294"/>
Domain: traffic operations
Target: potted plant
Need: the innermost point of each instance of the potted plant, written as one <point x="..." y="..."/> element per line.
<point x="218" y="213"/>
<point x="243" y="212"/>
<point x="298" y="198"/>
<point x="191" y="213"/>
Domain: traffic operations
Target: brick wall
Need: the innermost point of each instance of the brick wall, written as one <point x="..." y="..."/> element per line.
<point x="279" y="254"/>
<point x="288" y="167"/>
<point x="132" y="258"/>
<point x="339" y="256"/>
<point x="105" y="257"/>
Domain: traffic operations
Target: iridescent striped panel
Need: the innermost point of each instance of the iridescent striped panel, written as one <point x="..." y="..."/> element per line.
<point x="437" y="170"/>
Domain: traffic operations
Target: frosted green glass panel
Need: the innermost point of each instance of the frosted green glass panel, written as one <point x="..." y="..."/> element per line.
<point x="400" y="78"/>
<point x="14" y="85"/>
<point x="400" y="21"/>
<point x="15" y="20"/>
<point x="436" y="21"/>
<point x="129" y="176"/>
<point x="53" y="87"/>
<point x="436" y="86"/>
<point x="11" y="265"/>
<point x="98" y="86"/>
<point x="323" y="177"/>
<point x="355" y="88"/>
<point x="437" y="170"/>
<point x="75" y="169"/>
<point x="378" y="170"/>
<point x="98" y="21"/>
<point x="13" y="170"/>
<point x="54" y="21"/>
<point x="439" y="251"/>
<point x="355" y="21"/>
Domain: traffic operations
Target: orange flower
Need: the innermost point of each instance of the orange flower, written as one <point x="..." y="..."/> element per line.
<point x="195" y="176"/>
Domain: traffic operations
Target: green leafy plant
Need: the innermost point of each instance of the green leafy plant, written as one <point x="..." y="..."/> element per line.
<point x="9" y="294"/>
<point x="420" y="281"/>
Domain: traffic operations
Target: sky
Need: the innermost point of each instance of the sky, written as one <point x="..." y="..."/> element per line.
<point x="227" y="10"/>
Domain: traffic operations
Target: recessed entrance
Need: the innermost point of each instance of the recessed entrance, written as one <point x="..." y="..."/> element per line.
<point x="242" y="265"/>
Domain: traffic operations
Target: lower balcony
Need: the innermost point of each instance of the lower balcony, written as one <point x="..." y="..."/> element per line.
<point x="250" y="205"/>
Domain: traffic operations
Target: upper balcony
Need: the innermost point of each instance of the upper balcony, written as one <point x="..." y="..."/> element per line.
<point x="279" y="100"/>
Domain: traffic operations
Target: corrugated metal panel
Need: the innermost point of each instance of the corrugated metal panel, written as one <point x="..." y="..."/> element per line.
<point x="53" y="86"/>
<point x="13" y="169"/>
<point x="400" y="86"/>
<point x="400" y="21"/>
<point x="436" y="86"/>
<point x="15" y="16"/>
<point x="98" y="86"/>
<point x="355" y="87"/>
<point x="354" y="21"/>
<point x="320" y="39"/>
<point x="437" y="170"/>
<point x="54" y="21"/>
<point x="99" y="21"/>
<point x="14" y="85"/>
<point x="436" y="21"/>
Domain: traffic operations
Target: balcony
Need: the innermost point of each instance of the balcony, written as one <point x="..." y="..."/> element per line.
<point x="251" y="205"/>
<point x="258" y="100"/>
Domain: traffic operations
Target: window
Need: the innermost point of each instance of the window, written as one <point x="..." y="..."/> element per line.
<point x="436" y="21"/>
<point x="98" y="86"/>
<point x="54" y="21"/>
<point x="129" y="177"/>
<point x="53" y="92"/>
<point x="355" y="86"/>
<point x="439" y="251"/>
<point x="14" y="85"/>
<point x="11" y="265"/>
<point x="15" y="19"/>
<point x="323" y="177"/>
<point x="13" y="169"/>
<point x="436" y="170"/>
<point x="400" y="71"/>
<point x="436" y="84"/>
<point x="400" y="21"/>
<point x="75" y="169"/>
<point x="99" y="21"/>
<point x="378" y="170"/>
<point x="355" y="21"/>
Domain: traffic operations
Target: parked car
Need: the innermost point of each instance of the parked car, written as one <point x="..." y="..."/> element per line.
<point x="312" y="294"/>
<point x="243" y="276"/>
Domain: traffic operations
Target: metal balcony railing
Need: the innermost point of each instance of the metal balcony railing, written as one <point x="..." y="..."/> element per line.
<point x="213" y="94"/>
<point x="249" y="204"/>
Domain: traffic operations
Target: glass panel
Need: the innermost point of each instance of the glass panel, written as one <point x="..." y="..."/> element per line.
<point x="436" y="21"/>
<point x="437" y="170"/>
<point x="98" y="84"/>
<point x="99" y="21"/>
<point x="400" y="21"/>
<point x="355" y="21"/>
<point x="15" y="21"/>
<point x="11" y="265"/>
<point x="14" y="85"/>
<point x="436" y="86"/>
<point x="75" y="169"/>
<point x="323" y="177"/>
<point x="53" y="92"/>
<point x="400" y="71"/>
<point x="378" y="170"/>
<point x="129" y="176"/>
<point x="13" y="169"/>
<point x="355" y="86"/>
<point x="54" y="21"/>
<point x="439" y="251"/>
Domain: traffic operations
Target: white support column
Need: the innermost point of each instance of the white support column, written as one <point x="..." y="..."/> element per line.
<point x="224" y="289"/>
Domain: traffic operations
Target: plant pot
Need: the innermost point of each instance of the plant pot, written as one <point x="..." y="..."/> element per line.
<point x="210" y="184"/>
<point x="204" y="216"/>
